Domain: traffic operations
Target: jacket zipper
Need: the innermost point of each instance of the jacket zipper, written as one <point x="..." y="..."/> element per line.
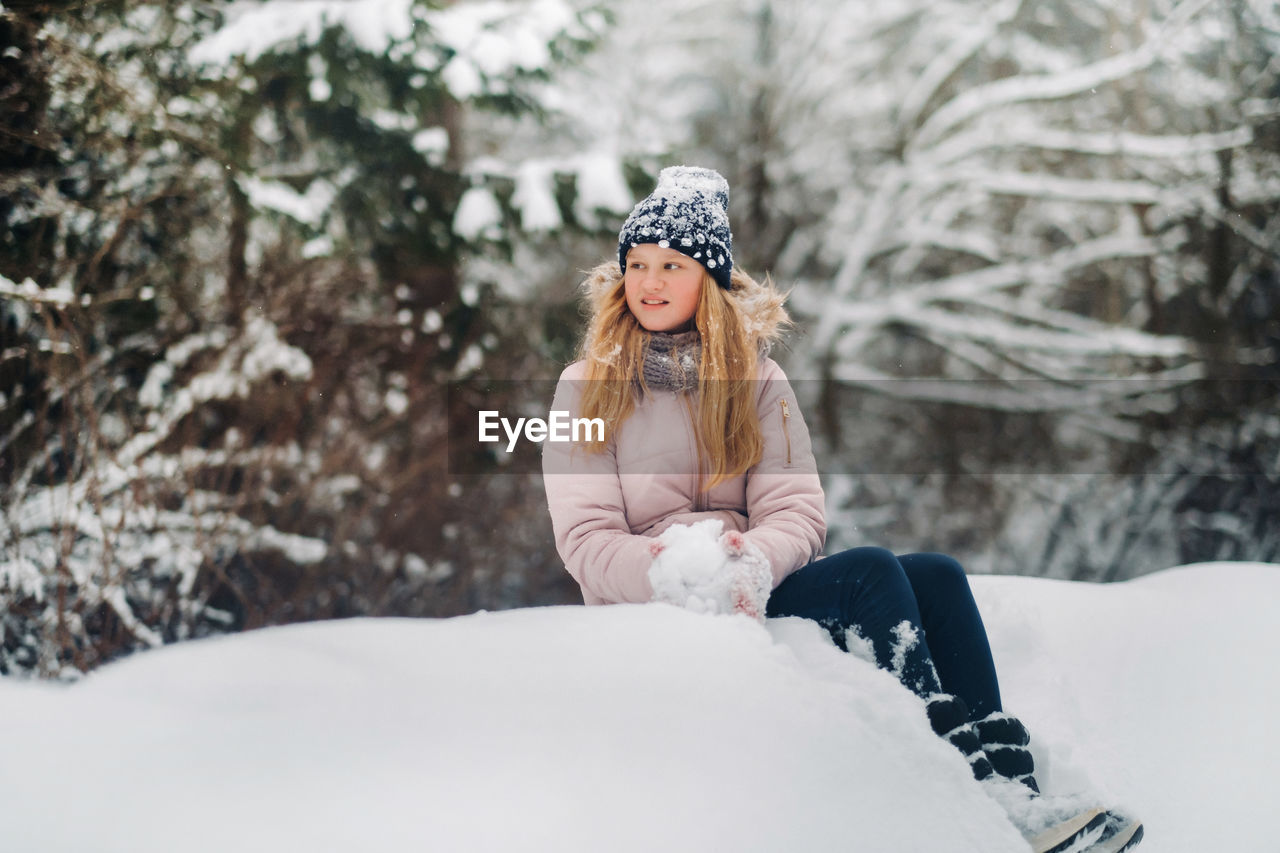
<point x="786" y="427"/>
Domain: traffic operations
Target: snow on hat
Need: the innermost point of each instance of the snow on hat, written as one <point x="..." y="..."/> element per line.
<point x="688" y="211"/>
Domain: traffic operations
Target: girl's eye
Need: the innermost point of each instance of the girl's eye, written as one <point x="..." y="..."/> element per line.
<point x="672" y="265"/>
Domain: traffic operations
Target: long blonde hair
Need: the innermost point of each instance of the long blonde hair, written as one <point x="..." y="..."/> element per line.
<point x="737" y="325"/>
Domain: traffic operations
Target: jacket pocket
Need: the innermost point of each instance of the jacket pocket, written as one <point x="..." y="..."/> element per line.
<point x="786" y="426"/>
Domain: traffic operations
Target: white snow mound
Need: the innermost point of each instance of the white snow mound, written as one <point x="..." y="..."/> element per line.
<point x="642" y="728"/>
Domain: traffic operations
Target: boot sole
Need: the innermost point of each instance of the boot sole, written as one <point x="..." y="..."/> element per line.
<point x="1059" y="838"/>
<point x="1126" y="839"/>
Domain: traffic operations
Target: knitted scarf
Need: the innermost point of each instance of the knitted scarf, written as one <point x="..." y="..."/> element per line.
<point x="671" y="361"/>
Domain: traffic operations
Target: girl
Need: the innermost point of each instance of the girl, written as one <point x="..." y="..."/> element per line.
<point x="704" y="493"/>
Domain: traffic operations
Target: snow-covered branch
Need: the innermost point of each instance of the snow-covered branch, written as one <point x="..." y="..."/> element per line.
<point x="962" y="287"/>
<point x="252" y="359"/>
<point x="948" y="62"/>
<point x="1027" y="88"/>
<point x="29" y="291"/>
<point x="1097" y="340"/>
<point x="1024" y="134"/>
<point x="1043" y="186"/>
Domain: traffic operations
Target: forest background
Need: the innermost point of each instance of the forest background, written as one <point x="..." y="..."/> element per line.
<point x="259" y="261"/>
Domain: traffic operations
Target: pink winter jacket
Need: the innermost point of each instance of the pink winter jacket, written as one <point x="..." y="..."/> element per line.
<point x="606" y="507"/>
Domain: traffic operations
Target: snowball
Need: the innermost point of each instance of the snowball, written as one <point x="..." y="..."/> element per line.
<point x="689" y="569"/>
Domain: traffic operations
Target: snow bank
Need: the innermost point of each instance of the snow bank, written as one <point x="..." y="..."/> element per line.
<point x="647" y="728"/>
<point x="630" y="728"/>
<point x="1160" y="693"/>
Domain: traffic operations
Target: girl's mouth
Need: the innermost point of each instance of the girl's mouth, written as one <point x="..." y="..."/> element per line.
<point x="653" y="301"/>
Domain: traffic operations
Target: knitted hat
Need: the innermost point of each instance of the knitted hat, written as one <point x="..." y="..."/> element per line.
<point x="688" y="211"/>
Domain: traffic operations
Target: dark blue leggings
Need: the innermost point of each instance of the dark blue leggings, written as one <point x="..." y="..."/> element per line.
<point x="869" y="596"/>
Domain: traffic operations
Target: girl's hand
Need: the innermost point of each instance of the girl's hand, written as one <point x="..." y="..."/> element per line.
<point x="697" y="568"/>
<point x="752" y="580"/>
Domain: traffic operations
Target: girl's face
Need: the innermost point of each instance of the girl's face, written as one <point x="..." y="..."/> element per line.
<point x="662" y="287"/>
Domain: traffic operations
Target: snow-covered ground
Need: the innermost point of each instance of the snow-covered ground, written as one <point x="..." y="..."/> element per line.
<point x="648" y="728"/>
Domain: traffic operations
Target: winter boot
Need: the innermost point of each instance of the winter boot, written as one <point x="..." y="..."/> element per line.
<point x="949" y="717"/>
<point x="1004" y="739"/>
<point x="1050" y="824"/>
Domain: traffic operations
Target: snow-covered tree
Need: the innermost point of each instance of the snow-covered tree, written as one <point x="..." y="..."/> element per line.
<point x="233" y="299"/>
<point x="1051" y="188"/>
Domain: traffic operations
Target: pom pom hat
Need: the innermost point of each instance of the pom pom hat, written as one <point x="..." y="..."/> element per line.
<point x="688" y="211"/>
